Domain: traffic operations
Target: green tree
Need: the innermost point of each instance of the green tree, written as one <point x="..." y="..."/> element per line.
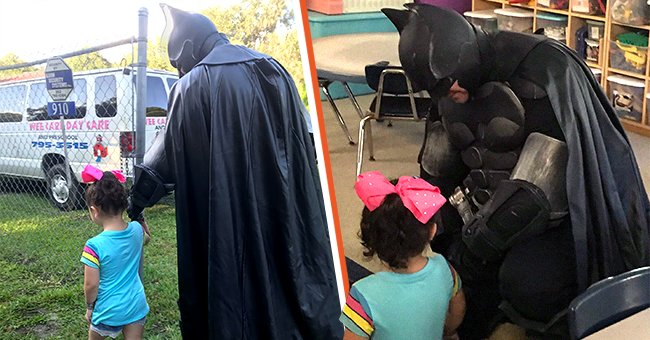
<point x="265" y="26"/>
<point x="285" y="49"/>
<point x="13" y="59"/>
<point x="249" y="22"/>
<point x="90" y="61"/>
<point x="157" y="58"/>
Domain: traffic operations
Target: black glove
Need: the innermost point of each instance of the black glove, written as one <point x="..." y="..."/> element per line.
<point x="135" y="212"/>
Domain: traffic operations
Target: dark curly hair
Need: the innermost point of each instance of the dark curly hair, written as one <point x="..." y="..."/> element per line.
<point x="108" y="194"/>
<point x="393" y="233"/>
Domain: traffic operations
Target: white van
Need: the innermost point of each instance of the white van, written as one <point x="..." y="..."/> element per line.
<point x="100" y="131"/>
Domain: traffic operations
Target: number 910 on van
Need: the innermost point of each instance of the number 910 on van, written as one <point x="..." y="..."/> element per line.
<point x="100" y="131"/>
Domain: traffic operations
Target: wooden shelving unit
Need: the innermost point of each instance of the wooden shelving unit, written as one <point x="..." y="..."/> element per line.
<point x="612" y="29"/>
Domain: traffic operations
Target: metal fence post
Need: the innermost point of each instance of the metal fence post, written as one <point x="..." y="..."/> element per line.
<point x="141" y="87"/>
<point x="66" y="159"/>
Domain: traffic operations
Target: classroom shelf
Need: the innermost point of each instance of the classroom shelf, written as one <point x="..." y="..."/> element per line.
<point x="577" y="20"/>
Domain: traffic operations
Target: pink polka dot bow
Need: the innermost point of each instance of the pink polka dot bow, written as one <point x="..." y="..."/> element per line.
<point x="91" y="174"/>
<point x="418" y="196"/>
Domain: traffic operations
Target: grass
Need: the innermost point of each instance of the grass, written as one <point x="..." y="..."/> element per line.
<point x="41" y="278"/>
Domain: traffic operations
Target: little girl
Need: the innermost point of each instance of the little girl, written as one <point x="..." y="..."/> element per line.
<point x="115" y="299"/>
<point x="420" y="297"/>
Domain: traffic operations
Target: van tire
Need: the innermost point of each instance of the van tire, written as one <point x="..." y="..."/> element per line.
<point x="64" y="197"/>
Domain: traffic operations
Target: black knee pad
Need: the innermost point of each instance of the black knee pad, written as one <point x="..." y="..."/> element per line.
<point x="537" y="277"/>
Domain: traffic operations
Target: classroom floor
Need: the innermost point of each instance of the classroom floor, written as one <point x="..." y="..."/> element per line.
<point x="396" y="151"/>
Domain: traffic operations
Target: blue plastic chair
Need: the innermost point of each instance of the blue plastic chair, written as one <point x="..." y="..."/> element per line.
<point x="609" y="301"/>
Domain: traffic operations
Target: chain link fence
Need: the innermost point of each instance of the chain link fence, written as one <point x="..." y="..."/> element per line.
<point x="42" y="155"/>
<point x="43" y="218"/>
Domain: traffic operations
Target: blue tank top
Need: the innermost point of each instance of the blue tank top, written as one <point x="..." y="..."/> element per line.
<point x="120" y="298"/>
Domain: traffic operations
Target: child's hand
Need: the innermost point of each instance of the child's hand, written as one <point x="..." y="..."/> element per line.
<point x="451" y="337"/>
<point x="89" y="315"/>
<point x="147" y="238"/>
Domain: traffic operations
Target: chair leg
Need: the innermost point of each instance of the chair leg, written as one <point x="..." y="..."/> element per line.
<point x="342" y="124"/>
<point x="353" y="99"/>
<point x="371" y="145"/>
<point x="362" y="132"/>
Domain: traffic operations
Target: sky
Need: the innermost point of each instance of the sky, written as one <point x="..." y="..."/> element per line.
<point x="40" y="28"/>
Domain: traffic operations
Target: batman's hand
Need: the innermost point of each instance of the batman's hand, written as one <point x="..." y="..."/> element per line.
<point x="134" y="211"/>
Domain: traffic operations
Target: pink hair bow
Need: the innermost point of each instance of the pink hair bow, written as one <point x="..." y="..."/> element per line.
<point x="418" y="196"/>
<point x="91" y="174"/>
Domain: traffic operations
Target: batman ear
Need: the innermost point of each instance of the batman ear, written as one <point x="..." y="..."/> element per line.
<point x="399" y="18"/>
<point x="410" y="5"/>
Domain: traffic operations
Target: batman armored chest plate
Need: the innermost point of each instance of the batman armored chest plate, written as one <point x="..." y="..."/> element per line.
<point x="489" y="131"/>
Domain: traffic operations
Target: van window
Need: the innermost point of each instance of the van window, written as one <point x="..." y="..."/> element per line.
<point x="38" y="98"/>
<point x="12" y="103"/>
<point x="156" y="97"/>
<point x="80" y="97"/>
<point x="105" y="96"/>
<point x="171" y="82"/>
<point x="37" y="102"/>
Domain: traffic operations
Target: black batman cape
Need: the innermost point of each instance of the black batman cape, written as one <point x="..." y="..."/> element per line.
<point x="609" y="208"/>
<point x="254" y="257"/>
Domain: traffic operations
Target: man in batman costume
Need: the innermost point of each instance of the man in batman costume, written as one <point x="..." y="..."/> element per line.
<point x="545" y="190"/>
<point x="254" y="257"/>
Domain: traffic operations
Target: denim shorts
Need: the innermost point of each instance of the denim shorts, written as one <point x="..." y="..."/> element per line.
<point x="113" y="331"/>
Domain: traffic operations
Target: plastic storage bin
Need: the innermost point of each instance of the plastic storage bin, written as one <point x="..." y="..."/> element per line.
<point x="593" y="50"/>
<point x="595" y="29"/>
<point x="633" y="12"/>
<point x="485" y="19"/>
<point x="626" y="95"/>
<point x="647" y="110"/>
<point x="515" y="19"/>
<point x="629" y="52"/>
<point x="352" y="6"/>
<point x="554" y="25"/>
<point x="581" y="42"/>
<point x="593" y="7"/>
<point x="460" y="6"/>
<point x="556" y="4"/>
<point x="597" y="73"/>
